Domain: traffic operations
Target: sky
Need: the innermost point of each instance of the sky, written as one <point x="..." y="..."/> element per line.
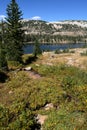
<point x="49" y="10"/>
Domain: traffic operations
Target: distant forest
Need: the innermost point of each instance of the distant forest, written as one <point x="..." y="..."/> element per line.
<point x="54" y="39"/>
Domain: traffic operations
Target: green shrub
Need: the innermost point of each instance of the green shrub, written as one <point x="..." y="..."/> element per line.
<point x="14" y="65"/>
<point x="17" y="118"/>
<point x="84" y="53"/>
<point x="57" y="51"/>
<point x="66" y="51"/>
<point x="4" y="117"/>
<point x="64" y="120"/>
<point x="72" y="51"/>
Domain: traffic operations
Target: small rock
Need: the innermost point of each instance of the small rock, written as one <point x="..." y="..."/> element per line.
<point x="27" y="68"/>
<point x="41" y="118"/>
<point x="48" y="106"/>
<point x="10" y="92"/>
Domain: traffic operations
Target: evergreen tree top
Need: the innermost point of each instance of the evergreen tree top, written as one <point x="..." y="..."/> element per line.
<point x="13" y="12"/>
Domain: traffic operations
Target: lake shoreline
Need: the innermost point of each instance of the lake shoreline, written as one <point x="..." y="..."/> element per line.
<point x="45" y="43"/>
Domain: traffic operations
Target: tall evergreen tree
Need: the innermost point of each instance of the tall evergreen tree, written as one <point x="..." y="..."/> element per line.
<point x="14" y="32"/>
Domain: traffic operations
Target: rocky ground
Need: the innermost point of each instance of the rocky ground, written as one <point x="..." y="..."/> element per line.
<point x="73" y="58"/>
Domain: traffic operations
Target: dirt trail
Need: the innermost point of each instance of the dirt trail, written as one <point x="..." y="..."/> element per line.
<point x="34" y="75"/>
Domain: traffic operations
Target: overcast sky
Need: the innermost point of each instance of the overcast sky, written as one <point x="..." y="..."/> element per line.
<point x="49" y="10"/>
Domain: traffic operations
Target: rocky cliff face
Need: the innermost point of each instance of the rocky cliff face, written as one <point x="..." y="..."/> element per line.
<point x="71" y="28"/>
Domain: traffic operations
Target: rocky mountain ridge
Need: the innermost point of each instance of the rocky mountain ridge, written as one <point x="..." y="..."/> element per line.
<point x="68" y="27"/>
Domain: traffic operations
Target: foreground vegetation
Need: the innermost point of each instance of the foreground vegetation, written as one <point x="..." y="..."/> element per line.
<point x="22" y="98"/>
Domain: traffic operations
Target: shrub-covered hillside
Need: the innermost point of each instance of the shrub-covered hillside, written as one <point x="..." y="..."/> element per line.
<point x="24" y="97"/>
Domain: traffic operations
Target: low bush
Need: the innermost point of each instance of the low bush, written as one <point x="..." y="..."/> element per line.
<point x="12" y="65"/>
<point x="84" y="53"/>
<point x="65" y="120"/>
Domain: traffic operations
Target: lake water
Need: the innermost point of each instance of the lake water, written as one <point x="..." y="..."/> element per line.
<point x="28" y="49"/>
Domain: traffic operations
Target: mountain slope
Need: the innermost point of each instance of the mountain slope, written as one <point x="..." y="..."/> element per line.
<point x="69" y="31"/>
<point x="60" y="28"/>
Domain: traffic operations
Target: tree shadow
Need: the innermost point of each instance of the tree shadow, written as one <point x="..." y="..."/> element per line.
<point x="30" y="59"/>
<point x="36" y="126"/>
<point x="3" y="77"/>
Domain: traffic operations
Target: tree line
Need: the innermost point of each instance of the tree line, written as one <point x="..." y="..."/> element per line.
<point x="47" y="38"/>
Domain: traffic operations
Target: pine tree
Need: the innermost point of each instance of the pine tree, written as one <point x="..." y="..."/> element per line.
<point x="37" y="49"/>
<point x="14" y="32"/>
